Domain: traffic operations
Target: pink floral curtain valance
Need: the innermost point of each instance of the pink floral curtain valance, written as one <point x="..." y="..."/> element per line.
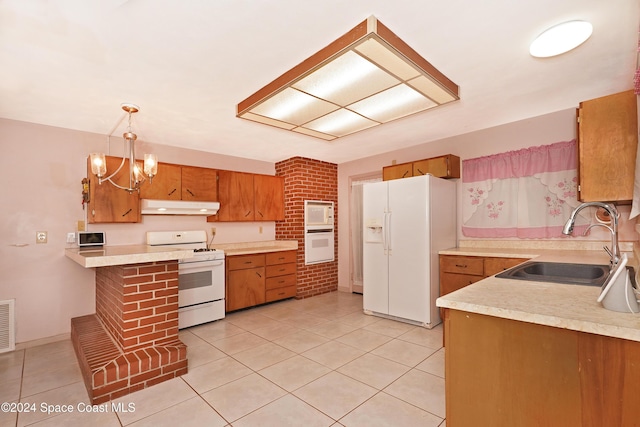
<point x="527" y="193"/>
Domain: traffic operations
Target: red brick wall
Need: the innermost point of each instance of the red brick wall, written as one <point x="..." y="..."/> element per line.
<point x="138" y="303"/>
<point x="307" y="179"/>
<point x="132" y="341"/>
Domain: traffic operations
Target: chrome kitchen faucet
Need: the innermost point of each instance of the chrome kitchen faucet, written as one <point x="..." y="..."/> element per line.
<point x="614" y="252"/>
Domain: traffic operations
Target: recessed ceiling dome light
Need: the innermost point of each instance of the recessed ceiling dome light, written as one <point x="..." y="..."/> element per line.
<point x="561" y="38"/>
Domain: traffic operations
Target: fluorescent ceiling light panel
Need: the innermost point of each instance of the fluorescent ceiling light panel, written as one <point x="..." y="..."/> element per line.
<point x="341" y="123"/>
<point x="379" y="53"/>
<point x="310" y="132"/>
<point x="367" y="77"/>
<point x="561" y="38"/>
<point x="268" y="121"/>
<point x="293" y="106"/>
<point x="399" y="101"/>
<point x="347" y="79"/>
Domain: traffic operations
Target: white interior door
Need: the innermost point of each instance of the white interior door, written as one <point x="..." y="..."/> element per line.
<point x="409" y="261"/>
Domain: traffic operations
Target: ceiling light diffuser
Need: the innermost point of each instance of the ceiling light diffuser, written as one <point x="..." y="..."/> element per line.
<point x="561" y="38"/>
<point x="365" y="78"/>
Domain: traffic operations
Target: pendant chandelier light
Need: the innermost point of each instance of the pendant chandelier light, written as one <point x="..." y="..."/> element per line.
<point x="137" y="171"/>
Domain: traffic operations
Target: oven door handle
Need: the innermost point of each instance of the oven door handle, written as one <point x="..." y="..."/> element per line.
<point x="199" y="264"/>
<point x="217" y="263"/>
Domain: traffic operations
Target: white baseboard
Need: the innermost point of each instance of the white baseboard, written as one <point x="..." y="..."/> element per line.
<point x="41" y="341"/>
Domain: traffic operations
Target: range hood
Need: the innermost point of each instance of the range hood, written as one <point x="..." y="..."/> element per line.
<point x="178" y="207"/>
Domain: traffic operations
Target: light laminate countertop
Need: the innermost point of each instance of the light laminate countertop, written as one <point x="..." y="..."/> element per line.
<point x="123" y="255"/>
<point x="139" y="254"/>
<point x="246" y="248"/>
<point x="563" y="306"/>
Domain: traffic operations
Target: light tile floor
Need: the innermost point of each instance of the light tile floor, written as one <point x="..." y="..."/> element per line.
<point x="313" y="362"/>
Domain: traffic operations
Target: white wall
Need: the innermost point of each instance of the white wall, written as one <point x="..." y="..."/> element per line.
<point x="41" y="169"/>
<point x="542" y="130"/>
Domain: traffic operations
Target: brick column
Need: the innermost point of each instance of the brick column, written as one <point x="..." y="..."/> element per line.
<point x="132" y="340"/>
<point x="308" y="179"/>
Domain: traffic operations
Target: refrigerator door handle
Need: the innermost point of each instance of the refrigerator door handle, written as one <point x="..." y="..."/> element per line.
<point x="388" y="231"/>
<point x="384" y="233"/>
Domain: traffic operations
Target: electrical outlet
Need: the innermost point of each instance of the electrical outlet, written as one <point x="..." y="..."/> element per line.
<point x="260" y="230"/>
<point x="80" y="226"/>
<point x="41" y="236"/>
<point x="213" y="231"/>
<point x="71" y="237"/>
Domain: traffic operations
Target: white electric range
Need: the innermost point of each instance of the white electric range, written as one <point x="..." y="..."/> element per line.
<point x="201" y="279"/>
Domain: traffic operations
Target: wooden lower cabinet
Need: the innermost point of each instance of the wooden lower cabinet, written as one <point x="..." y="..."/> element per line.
<point x="245" y="281"/>
<point x="501" y="372"/>
<point x="457" y="271"/>
<point x="258" y="278"/>
<point x="281" y="275"/>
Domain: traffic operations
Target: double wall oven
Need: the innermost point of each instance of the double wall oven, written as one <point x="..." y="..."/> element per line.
<point x="318" y="232"/>
<point x="201" y="279"/>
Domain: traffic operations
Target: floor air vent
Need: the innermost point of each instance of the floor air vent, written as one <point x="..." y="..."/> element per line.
<point x="7" y="326"/>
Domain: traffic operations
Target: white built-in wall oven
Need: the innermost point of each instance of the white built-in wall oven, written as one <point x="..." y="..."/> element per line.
<point x="201" y="278"/>
<point x="318" y="232"/>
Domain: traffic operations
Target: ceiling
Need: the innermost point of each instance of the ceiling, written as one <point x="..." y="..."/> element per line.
<point x="187" y="64"/>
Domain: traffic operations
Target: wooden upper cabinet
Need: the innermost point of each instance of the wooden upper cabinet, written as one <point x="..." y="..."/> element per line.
<point x="108" y="203"/>
<point x="447" y="166"/>
<point x="269" y="197"/>
<point x="199" y="184"/>
<point x="178" y="182"/>
<point x="442" y="167"/>
<point x="607" y="144"/>
<point x="249" y="197"/>
<point x="165" y="185"/>
<point x="404" y="170"/>
<point x="236" y="196"/>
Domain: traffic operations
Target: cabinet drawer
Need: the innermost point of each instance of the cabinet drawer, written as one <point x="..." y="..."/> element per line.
<point x="280" y="293"/>
<point x="496" y="265"/>
<point x="283" y="257"/>
<point x="281" y="281"/>
<point x="240" y="262"/>
<point x="462" y="265"/>
<point x="452" y="282"/>
<point x="280" y="270"/>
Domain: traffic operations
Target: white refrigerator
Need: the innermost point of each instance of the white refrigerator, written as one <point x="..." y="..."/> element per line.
<point x="406" y="222"/>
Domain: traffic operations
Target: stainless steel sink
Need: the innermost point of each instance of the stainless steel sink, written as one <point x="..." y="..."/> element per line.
<point x="556" y="272"/>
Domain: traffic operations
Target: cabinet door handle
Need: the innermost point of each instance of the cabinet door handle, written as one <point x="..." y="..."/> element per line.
<point x="404" y="175"/>
<point x="247" y="214"/>
<point x="172" y="191"/>
<point x="281" y="293"/>
<point x="281" y="258"/>
<point x="280" y="281"/>
<point x="283" y="269"/>
<point x="190" y="192"/>
<point x="421" y="173"/>
<point x="258" y="274"/>
<point x="127" y="212"/>
<point x="461" y="265"/>
<point x="248" y="262"/>
<point x="260" y="213"/>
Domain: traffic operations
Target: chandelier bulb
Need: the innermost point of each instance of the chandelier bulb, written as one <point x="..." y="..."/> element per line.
<point x="137" y="171"/>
